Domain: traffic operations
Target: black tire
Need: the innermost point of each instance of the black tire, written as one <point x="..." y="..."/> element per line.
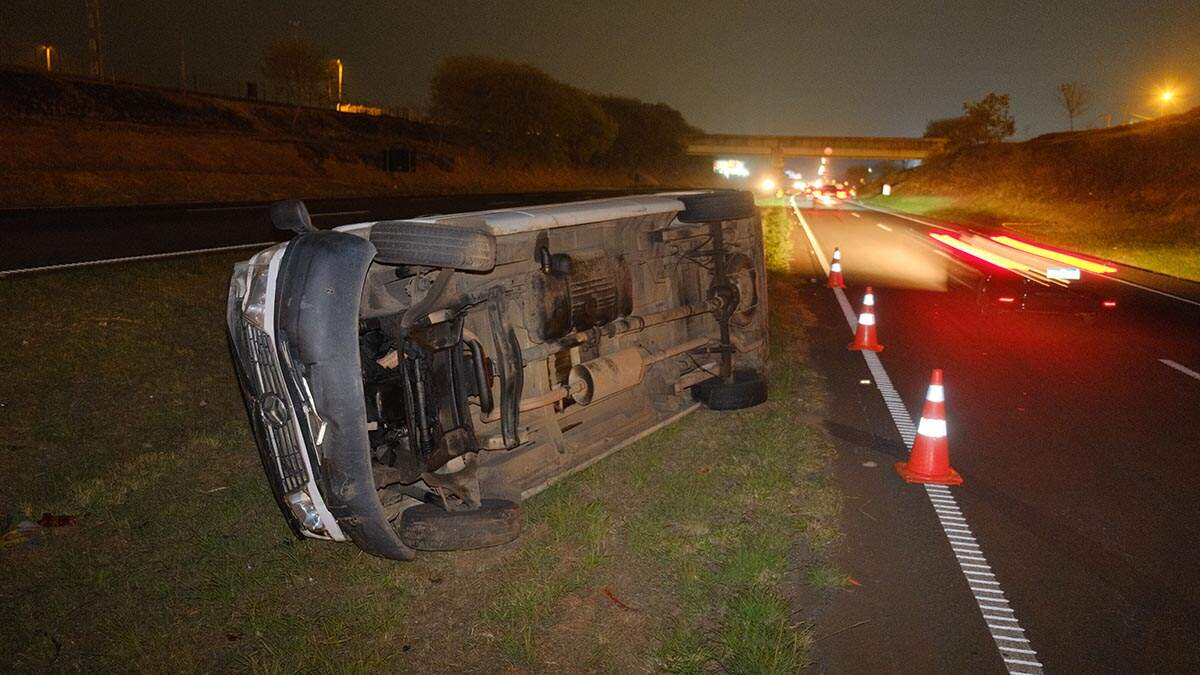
<point x="746" y="389"/>
<point x="400" y="242"/>
<point x="429" y="527"/>
<point x="709" y="207"/>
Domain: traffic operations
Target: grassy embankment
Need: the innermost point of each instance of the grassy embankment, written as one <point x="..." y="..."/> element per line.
<point x="1130" y="194"/>
<point x="77" y="142"/>
<point x="118" y="405"/>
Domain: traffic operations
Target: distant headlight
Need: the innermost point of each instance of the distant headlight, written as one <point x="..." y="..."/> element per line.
<point x="254" y="303"/>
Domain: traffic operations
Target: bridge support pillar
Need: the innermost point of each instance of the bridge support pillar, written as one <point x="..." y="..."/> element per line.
<point x="777" y="160"/>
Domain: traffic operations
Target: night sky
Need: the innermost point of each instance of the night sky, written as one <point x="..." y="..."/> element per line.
<point x="855" y="68"/>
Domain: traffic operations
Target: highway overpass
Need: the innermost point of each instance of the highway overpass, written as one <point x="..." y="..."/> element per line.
<point x="779" y="147"/>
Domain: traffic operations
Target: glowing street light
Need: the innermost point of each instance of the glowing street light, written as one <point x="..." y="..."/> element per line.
<point x="1166" y="98"/>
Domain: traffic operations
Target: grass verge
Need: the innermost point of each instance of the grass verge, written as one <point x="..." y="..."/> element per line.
<point x="681" y="553"/>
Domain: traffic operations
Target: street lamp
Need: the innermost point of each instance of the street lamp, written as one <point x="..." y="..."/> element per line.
<point x="1165" y="98"/>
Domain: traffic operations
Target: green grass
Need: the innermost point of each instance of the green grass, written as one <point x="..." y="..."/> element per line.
<point x="777" y="239"/>
<point x="827" y="577"/>
<point x="119" y="405"/>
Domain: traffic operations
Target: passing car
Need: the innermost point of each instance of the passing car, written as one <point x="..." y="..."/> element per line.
<point x="1002" y="291"/>
<point x="831" y="194"/>
<point x="410" y="382"/>
<point x="1008" y="279"/>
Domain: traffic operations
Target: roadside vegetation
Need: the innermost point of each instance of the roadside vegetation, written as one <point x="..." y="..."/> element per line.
<point x="1129" y="193"/>
<point x="497" y="126"/>
<point x="686" y="552"/>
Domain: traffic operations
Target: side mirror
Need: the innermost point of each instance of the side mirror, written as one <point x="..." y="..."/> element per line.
<point x="291" y="214"/>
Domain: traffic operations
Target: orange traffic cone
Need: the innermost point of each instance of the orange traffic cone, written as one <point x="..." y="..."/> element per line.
<point x="929" y="461"/>
<point x="835" y="271"/>
<point x="864" y="335"/>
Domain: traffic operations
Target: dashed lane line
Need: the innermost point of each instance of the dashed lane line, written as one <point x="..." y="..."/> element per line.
<point x="1006" y="631"/>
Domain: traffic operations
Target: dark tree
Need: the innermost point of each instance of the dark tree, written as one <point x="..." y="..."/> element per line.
<point x="298" y="68"/>
<point x="987" y="120"/>
<point x="650" y="136"/>
<point x="1074" y="98"/>
<point x="857" y="174"/>
<point x="522" y="109"/>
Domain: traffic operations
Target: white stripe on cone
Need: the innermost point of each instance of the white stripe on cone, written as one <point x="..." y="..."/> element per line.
<point x="837" y="254"/>
<point x="869" y="299"/>
<point x="866" y="319"/>
<point x="835" y="267"/>
<point x="937" y="393"/>
<point x="932" y="428"/>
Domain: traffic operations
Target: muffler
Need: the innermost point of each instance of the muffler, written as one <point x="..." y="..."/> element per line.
<point x="602" y="377"/>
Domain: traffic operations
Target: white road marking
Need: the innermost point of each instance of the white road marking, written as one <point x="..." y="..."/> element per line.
<point x="1180" y="367"/>
<point x="246" y="207"/>
<point x="1147" y="288"/>
<point x="132" y="258"/>
<point x="855" y="214"/>
<point x="340" y="213"/>
<point x="812" y="238"/>
<point x="883" y="227"/>
<point x="944" y="503"/>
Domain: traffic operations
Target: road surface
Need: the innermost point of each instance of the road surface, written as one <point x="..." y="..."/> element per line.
<point x="1079" y="444"/>
<point x="38" y="238"/>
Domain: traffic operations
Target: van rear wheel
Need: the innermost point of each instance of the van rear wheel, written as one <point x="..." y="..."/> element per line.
<point x="745" y="389"/>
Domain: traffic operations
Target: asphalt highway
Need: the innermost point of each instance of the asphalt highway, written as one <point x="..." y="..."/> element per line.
<point x="39" y="238"/>
<point x="1078" y="441"/>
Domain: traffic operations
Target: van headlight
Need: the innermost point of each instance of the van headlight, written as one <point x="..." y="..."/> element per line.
<point x="254" y="302"/>
<point x="305" y="511"/>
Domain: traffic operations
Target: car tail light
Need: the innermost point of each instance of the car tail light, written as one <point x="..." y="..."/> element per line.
<point x="1006" y="299"/>
<point x="1109" y="304"/>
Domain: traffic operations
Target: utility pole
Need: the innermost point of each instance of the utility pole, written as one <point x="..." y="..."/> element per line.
<point x="183" y="73"/>
<point x="95" y="48"/>
<point x="49" y="52"/>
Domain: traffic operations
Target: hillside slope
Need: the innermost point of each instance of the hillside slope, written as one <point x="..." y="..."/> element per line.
<point x="1129" y="193"/>
<point x="73" y="141"/>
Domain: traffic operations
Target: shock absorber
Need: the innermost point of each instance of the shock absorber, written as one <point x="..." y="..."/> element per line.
<point x="719" y="281"/>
